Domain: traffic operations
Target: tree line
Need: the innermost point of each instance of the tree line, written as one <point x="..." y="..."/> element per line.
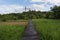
<point x="54" y="13"/>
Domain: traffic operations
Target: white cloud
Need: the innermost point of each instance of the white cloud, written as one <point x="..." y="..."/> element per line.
<point x="54" y="2"/>
<point x="10" y="8"/>
<point x="39" y="7"/>
<point x="39" y="0"/>
<point x="46" y="4"/>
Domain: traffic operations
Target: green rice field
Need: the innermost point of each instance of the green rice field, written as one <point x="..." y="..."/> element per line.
<point x="48" y="29"/>
<point x="12" y="30"/>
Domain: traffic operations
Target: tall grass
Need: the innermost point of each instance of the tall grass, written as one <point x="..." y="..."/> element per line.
<point x="11" y="32"/>
<point x="48" y="29"/>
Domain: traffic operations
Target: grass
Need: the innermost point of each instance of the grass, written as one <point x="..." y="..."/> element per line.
<point x="48" y="29"/>
<point x="12" y="30"/>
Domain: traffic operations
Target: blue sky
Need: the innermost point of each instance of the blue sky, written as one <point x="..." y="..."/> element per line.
<point x="9" y="6"/>
<point x="10" y="2"/>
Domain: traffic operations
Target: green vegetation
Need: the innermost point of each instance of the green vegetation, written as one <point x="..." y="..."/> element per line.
<point x="48" y="29"/>
<point x="54" y="13"/>
<point x="46" y="24"/>
<point x="11" y="32"/>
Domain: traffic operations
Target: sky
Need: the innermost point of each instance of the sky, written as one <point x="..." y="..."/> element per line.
<point x="11" y="6"/>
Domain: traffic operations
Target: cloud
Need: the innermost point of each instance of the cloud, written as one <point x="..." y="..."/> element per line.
<point x="39" y="0"/>
<point x="54" y="2"/>
<point x="39" y="7"/>
<point x="46" y="4"/>
<point x="10" y="8"/>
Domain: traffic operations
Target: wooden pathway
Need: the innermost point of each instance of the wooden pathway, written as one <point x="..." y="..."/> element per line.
<point x="30" y="33"/>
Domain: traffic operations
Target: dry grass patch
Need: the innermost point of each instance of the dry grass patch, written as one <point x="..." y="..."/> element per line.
<point x="14" y="23"/>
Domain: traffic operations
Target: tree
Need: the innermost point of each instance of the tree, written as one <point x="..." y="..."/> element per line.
<point x="56" y="11"/>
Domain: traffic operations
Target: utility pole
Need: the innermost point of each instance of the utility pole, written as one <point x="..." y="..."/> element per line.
<point x="25" y="9"/>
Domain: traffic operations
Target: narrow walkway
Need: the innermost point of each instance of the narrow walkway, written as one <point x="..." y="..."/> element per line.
<point x="30" y="33"/>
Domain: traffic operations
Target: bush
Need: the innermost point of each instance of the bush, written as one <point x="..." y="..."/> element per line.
<point x="4" y="20"/>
